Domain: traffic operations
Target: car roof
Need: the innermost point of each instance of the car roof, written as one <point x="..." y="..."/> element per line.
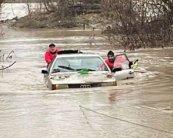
<point x="78" y="55"/>
<point x="75" y="53"/>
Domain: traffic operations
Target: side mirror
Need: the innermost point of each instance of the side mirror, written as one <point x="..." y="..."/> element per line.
<point x="44" y="71"/>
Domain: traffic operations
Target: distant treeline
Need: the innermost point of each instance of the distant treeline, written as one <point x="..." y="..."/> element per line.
<point x="21" y="1"/>
<point x="38" y="1"/>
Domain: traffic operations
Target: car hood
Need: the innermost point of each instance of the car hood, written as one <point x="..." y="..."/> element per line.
<point x="81" y="78"/>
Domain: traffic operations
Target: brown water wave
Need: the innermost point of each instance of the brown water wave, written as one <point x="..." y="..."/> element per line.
<point x="140" y="107"/>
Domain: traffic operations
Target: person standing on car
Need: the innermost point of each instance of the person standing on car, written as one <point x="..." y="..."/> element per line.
<point x="51" y="53"/>
<point x="110" y="59"/>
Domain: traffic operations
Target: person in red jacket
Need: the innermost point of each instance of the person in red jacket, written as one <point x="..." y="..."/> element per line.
<point x="110" y="60"/>
<point x="118" y="62"/>
<point x="51" y="53"/>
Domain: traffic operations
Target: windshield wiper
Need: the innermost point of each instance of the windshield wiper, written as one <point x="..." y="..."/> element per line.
<point x="66" y="67"/>
<point x="69" y="68"/>
<point x="85" y="69"/>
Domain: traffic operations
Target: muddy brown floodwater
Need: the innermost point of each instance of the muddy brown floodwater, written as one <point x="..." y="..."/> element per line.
<point x="137" y="108"/>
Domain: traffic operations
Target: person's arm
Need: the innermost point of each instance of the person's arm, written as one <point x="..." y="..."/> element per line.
<point x="58" y="50"/>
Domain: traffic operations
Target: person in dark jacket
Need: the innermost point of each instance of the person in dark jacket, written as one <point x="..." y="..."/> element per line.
<point x="51" y="53"/>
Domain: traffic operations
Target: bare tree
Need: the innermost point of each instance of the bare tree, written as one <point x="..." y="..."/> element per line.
<point x="138" y="23"/>
<point x="29" y="8"/>
<point x="1" y="30"/>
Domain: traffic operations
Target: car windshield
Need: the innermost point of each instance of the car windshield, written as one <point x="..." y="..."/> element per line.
<point x="69" y="64"/>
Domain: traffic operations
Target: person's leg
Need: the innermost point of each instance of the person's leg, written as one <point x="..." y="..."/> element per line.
<point x="130" y="64"/>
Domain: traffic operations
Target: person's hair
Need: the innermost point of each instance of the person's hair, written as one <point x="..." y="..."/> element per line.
<point x="110" y="53"/>
<point x="51" y="45"/>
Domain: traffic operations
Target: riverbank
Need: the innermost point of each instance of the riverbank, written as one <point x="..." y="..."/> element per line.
<point x="48" y="20"/>
<point x="35" y="16"/>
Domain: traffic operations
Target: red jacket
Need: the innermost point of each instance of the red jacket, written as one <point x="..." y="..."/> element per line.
<point x="110" y="64"/>
<point x="50" y="56"/>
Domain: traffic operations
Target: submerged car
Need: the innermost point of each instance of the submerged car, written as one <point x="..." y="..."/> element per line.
<point x="72" y="69"/>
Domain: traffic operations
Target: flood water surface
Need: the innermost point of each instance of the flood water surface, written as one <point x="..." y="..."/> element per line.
<point x="137" y="108"/>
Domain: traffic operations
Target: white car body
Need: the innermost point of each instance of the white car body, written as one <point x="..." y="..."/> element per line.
<point x="63" y="72"/>
<point x="124" y="74"/>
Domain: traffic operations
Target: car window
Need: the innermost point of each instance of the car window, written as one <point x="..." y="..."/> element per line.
<point x="67" y="64"/>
